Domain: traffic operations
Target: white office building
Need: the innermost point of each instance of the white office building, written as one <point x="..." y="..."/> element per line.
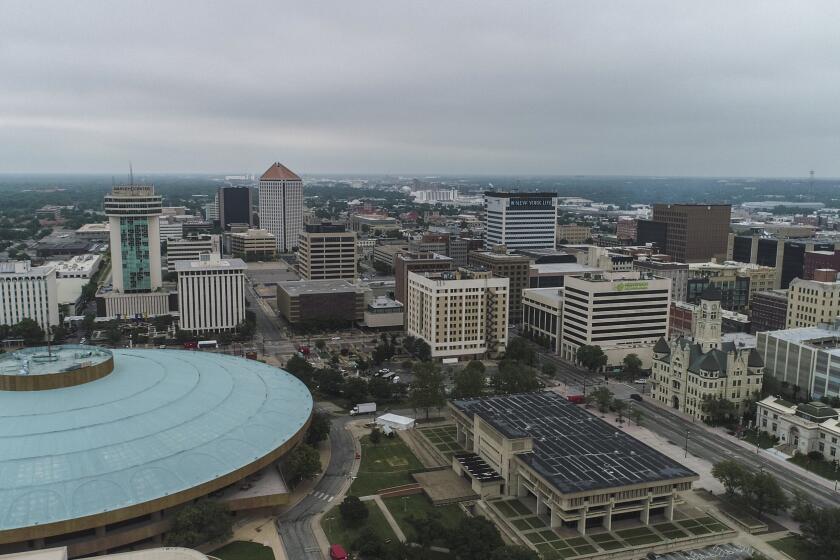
<point x="171" y="228"/>
<point x="28" y="292"/>
<point x="190" y="249"/>
<point x="461" y="314"/>
<point x="281" y="206"/>
<point x="622" y="312"/>
<point x="520" y="220"/>
<point x="211" y="294"/>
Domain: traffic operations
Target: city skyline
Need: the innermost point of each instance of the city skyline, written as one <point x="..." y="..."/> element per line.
<point x="565" y="88"/>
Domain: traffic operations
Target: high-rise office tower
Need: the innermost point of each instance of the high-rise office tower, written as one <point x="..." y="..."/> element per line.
<point x="327" y="252"/>
<point x="689" y="232"/>
<point x="520" y="220"/>
<point x="235" y="206"/>
<point x="281" y="205"/>
<point x="134" y="214"/>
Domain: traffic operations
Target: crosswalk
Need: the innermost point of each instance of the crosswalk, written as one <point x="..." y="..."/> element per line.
<point x="323" y="496"/>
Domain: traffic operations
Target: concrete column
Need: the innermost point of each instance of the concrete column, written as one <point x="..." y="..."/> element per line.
<point x="646" y="512"/>
<point x="582" y="520"/>
<point x="554" y="519"/>
<point x="608" y="516"/>
<point x="669" y="509"/>
<point x="540" y="504"/>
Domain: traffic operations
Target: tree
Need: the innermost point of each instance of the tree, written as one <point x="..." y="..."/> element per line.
<point x="519" y="350"/>
<point x="591" y="357"/>
<point x="820" y="528"/>
<point x="423" y="350"/>
<point x="427" y="390"/>
<point x="764" y="494"/>
<point x="301" y="369"/>
<point x="602" y="396"/>
<point x="330" y="381"/>
<point x="375" y="436"/>
<point x="469" y="382"/>
<point x="303" y="463"/>
<point x="475" y="538"/>
<point x="513" y="552"/>
<point x="113" y="333"/>
<point x="380" y="389"/>
<point x="514" y="377"/>
<point x="731" y="474"/>
<point x="202" y="522"/>
<point x="632" y="365"/>
<point x="549" y="369"/>
<point x="355" y="390"/>
<point x="619" y="407"/>
<point x="319" y="428"/>
<point x="718" y="409"/>
<point x="353" y="511"/>
<point x="88" y="322"/>
<point x="29" y="330"/>
<point x="59" y="333"/>
<point x="636" y="415"/>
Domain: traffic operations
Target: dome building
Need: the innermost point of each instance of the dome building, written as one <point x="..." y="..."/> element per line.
<point x="98" y="448"/>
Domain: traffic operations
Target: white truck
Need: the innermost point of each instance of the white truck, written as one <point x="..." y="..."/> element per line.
<point x="363" y="408"/>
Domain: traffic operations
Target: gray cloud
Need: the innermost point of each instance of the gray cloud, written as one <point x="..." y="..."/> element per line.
<point x="642" y="87"/>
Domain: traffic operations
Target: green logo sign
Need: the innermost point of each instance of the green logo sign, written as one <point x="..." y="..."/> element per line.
<point x="629" y="286"/>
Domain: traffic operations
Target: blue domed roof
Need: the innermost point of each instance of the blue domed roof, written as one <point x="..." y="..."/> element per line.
<point x="162" y="422"/>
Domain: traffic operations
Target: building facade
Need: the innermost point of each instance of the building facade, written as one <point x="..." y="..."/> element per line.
<point x="542" y="314"/>
<point x="623" y="313"/>
<point x="737" y="282"/>
<point x="191" y="249"/>
<point x="134" y="214"/>
<point x="807" y="358"/>
<point x="805" y="428"/>
<point x="459" y="314"/>
<point x="211" y="294"/>
<point x="503" y="264"/>
<point x="421" y="263"/>
<point x="321" y="302"/>
<point x="768" y="311"/>
<point x="28" y="292"/>
<point x="327" y="252"/>
<point x="281" y="206"/>
<point x="786" y="255"/>
<point x="252" y="245"/>
<point x="677" y="272"/>
<point x="235" y="206"/>
<point x="689" y="370"/>
<point x="520" y="220"/>
<point x="573" y="233"/>
<point x="813" y="302"/>
<point x="694" y="232"/>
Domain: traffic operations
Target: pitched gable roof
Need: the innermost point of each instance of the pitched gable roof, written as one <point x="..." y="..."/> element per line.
<point x="279" y="172"/>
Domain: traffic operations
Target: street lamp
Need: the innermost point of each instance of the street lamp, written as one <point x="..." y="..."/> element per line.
<point x="687" y="434"/>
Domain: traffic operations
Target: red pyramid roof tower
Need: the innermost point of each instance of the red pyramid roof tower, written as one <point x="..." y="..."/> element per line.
<point x="279" y="172"/>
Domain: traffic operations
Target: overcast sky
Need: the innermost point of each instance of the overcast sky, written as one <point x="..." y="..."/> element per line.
<point x="672" y="87"/>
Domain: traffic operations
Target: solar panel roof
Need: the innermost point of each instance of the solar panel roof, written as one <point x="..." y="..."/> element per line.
<point x="572" y="449"/>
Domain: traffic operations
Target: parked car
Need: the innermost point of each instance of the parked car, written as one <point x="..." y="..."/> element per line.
<point x="636" y="397"/>
<point x="337" y="552"/>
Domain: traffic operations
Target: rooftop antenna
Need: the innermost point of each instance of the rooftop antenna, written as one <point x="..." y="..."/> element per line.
<point x="130" y="174"/>
<point x="812" y="184"/>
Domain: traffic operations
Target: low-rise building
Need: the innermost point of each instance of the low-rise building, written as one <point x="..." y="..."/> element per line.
<point x="28" y="292"/>
<point x="542" y="314"/>
<point x="805" y="428"/>
<point x="554" y="274"/>
<point x="737" y="282"/>
<point x="807" y="358"/>
<point x="190" y="249"/>
<point x="384" y="313"/>
<point x="677" y="272"/>
<point x="768" y="311"/>
<point x="460" y="314"/>
<point x="95" y="232"/>
<point x="683" y="315"/>
<point x="211" y="294"/>
<point x="321" y="302"/>
<point x="573" y="233"/>
<point x="690" y="370"/>
<point x="252" y="245"/>
<point x="73" y="274"/>
<point x="563" y="463"/>
<point x="384" y="255"/>
<point x="421" y="263"/>
<point x="373" y="224"/>
<point x="813" y="302"/>
<point x="623" y="313"/>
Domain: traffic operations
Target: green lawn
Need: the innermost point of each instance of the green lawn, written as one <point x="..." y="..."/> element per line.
<point x="242" y="550"/>
<point x="419" y="505"/>
<point x="791" y="547"/>
<point x="818" y="466"/>
<point x="387" y="464"/>
<point x="338" y="533"/>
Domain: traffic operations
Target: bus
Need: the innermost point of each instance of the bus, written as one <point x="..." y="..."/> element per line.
<point x="207" y="344"/>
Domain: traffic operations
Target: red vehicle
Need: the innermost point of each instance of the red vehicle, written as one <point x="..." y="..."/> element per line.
<point x="192" y="345"/>
<point x="576" y="399"/>
<point x="303" y="350"/>
<point x="337" y="552"/>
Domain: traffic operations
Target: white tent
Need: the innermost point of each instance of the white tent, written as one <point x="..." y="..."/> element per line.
<point x="395" y="422"/>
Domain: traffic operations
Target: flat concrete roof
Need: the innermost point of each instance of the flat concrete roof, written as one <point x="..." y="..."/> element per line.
<point x="298" y="287"/>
